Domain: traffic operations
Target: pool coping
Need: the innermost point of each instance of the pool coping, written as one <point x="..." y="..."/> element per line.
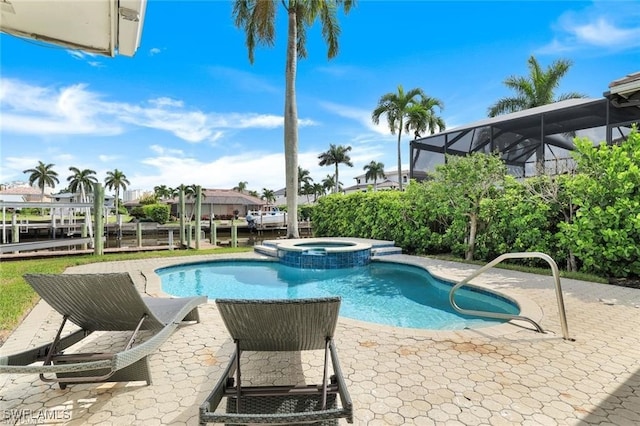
<point x="528" y="308"/>
<point x="294" y="245"/>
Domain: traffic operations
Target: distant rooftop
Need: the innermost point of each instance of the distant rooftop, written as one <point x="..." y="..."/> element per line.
<point x="625" y="91"/>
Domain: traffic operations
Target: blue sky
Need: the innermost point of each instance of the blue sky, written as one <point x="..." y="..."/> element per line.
<point x="189" y="107"/>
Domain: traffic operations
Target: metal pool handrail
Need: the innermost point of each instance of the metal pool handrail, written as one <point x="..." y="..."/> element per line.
<point x="497" y="315"/>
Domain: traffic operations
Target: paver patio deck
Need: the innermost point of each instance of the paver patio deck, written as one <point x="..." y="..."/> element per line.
<point x="504" y="375"/>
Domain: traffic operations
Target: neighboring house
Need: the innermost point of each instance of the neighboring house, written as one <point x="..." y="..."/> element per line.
<point x="390" y="182"/>
<point x="221" y="203"/>
<point x="24" y="193"/>
<point x="281" y="198"/>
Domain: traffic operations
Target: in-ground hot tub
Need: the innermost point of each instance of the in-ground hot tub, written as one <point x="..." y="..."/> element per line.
<point x="323" y="253"/>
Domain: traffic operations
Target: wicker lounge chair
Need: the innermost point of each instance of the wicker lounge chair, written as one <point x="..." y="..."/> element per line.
<point x="279" y="325"/>
<point x="100" y="302"/>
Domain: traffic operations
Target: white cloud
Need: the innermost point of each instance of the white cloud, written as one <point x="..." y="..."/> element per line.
<point x="36" y="110"/>
<point x="166" y="102"/>
<point x="74" y="109"/>
<point x="260" y="169"/>
<point x="87" y="57"/>
<point x="80" y="54"/>
<point x="154" y="51"/>
<point x="601" y="26"/>
<point x="604" y="33"/>
<point x="108" y="158"/>
<point x="163" y="151"/>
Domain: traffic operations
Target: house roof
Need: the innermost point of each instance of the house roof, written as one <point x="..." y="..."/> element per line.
<point x="22" y="190"/>
<point x="226" y="196"/>
<point x="625" y="92"/>
<point x="387" y="172"/>
<point x="383" y="184"/>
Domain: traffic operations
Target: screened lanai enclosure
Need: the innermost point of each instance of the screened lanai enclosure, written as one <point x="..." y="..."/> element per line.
<point x="539" y="138"/>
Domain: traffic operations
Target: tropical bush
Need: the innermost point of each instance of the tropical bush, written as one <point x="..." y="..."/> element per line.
<point x="305" y="212"/>
<point x="605" y="233"/>
<point x="159" y="213"/>
<point x="515" y="221"/>
<point x="590" y="220"/>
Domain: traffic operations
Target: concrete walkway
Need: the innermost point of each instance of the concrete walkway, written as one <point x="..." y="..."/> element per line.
<point x="503" y="375"/>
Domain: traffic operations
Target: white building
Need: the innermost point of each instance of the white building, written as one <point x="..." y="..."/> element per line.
<point x="390" y="181"/>
<point x="132" y="195"/>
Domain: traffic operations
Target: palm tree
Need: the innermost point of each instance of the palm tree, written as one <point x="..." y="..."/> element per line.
<point x="304" y="178"/>
<point x="242" y="186"/>
<point x="43" y="175"/>
<point x="336" y="155"/>
<point x="191" y="192"/>
<point x="82" y="181"/>
<point x="307" y="189"/>
<point x="268" y="195"/>
<point x="318" y="191"/>
<point x="536" y="89"/>
<point x="422" y="117"/>
<point x="257" y="18"/>
<point x="116" y="180"/>
<point x="374" y="170"/>
<point x="163" y="192"/>
<point x="329" y="183"/>
<point x="397" y="107"/>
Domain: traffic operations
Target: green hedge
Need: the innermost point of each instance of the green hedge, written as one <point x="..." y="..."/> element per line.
<point x="159" y="213"/>
<point x="591" y="220"/>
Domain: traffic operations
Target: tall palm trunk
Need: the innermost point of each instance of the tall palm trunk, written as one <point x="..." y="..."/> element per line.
<point x="337" y="180"/>
<point x="42" y="201"/>
<point x="400" y="155"/>
<point x="291" y="126"/>
<point x="116" y="204"/>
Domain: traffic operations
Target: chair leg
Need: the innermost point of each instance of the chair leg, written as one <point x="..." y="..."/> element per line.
<point x="238" y="378"/>
<point x="324" y="374"/>
<point x="52" y="349"/>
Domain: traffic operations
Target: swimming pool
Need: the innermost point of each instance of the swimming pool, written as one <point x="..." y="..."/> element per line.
<point x="381" y="292"/>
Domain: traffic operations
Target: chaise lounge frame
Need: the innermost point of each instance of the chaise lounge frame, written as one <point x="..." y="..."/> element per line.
<point x="100" y="302"/>
<point x="280" y="325"/>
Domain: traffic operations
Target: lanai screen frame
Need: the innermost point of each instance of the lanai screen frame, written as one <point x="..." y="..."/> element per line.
<point x="538" y="133"/>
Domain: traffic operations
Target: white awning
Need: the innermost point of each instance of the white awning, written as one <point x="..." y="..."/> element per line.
<point x="107" y="27"/>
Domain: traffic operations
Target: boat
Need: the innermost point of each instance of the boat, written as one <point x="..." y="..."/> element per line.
<point x="268" y="215"/>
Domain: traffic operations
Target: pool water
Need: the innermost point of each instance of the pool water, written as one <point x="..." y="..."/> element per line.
<point x="381" y="292"/>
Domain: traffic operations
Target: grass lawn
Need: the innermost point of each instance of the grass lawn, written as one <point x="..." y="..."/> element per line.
<point x="17" y="298"/>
